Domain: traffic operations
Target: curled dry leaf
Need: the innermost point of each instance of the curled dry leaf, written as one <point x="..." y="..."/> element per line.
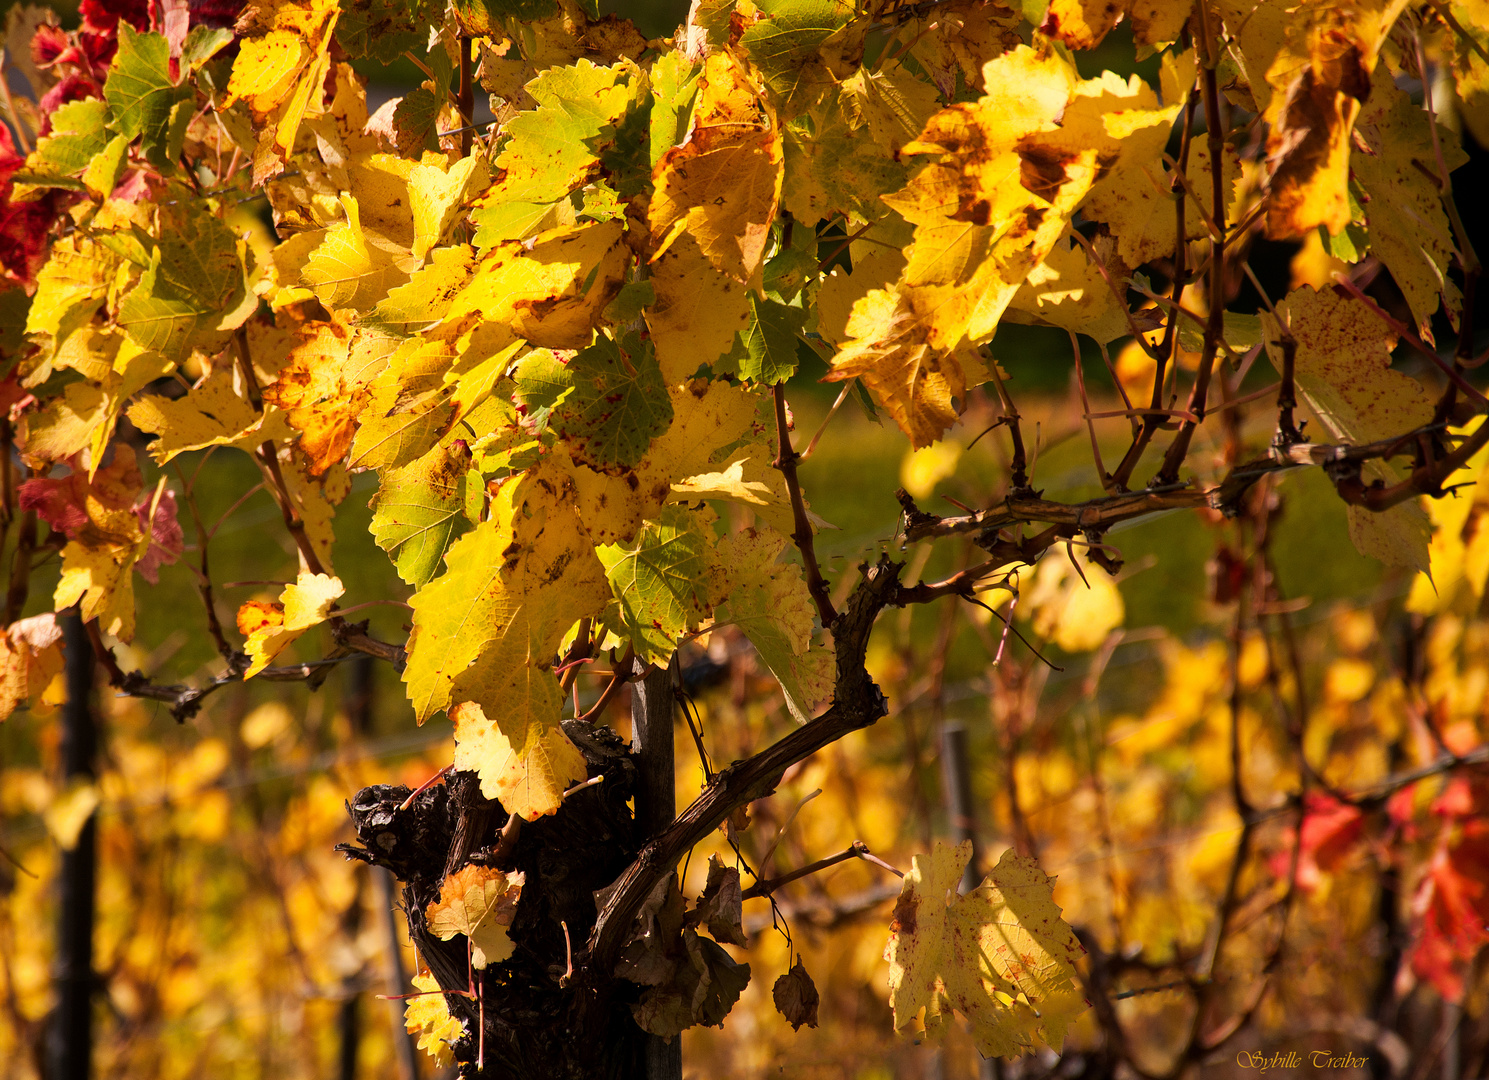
<point x="796" y="997"/>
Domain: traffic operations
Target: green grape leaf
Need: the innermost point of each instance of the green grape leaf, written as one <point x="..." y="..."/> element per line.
<point x="663" y="580"/>
<point x="143" y="102"/>
<point x="619" y="403"/>
<point x="382" y="30"/>
<point x="674" y="88"/>
<point x="194" y="277"/>
<point x="202" y="44"/>
<point x="770" y="341"/>
<point x="554" y="148"/>
<point x="420" y="510"/>
<point x="784" y="44"/>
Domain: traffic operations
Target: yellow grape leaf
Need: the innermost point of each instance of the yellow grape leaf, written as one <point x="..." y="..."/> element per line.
<point x="407" y="405"/>
<point x="428" y="1017"/>
<point x="731" y="484"/>
<point x="959" y="37"/>
<point x="98" y="562"/>
<point x="436" y="197"/>
<point x="1343" y="372"/>
<point x="723" y="184"/>
<point x="1003" y="181"/>
<point x="529" y="780"/>
<point x="1471" y="69"/>
<point x="318" y="399"/>
<point x="479" y="902"/>
<point x="513" y="586"/>
<point x="889" y="347"/>
<point x="769" y="602"/>
<point x="354" y="267"/>
<point x="30" y="657"/>
<point x="1075" y="614"/>
<point x="1082" y="24"/>
<point x="1408" y="228"/>
<point x="1460" y="542"/>
<point x="1001" y="955"/>
<point x="841" y="290"/>
<point x="216" y="412"/>
<point x="713" y="424"/>
<point x="70" y="286"/>
<point x="270" y="628"/>
<point x="1320" y="75"/>
<point x="697" y="310"/>
<point x="316" y="498"/>
<point x="282" y="63"/>
<point x="1067" y="290"/>
<point x="549" y="290"/>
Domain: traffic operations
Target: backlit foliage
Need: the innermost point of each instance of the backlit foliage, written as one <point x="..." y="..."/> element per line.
<point x="552" y="350"/>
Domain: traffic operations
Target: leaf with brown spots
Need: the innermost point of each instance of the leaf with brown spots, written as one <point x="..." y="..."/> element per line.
<point x="723" y="184"/>
<point x="1001" y="955"/>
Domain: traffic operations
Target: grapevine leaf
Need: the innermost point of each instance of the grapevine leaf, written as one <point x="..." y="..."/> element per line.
<point x="1343" y="371"/>
<point x="770" y="341"/>
<point x="479" y="902"/>
<point x="104" y="542"/>
<point x="785" y="42"/>
<point x="142" y="98"/>
<point x="849" y="154"/>
<point x="550" y="291"/>
<point x="770" y="603"/>
<point x="271" y="628"/>
<point x="696" y="313"/>
<point x="30" y="658"/>
<point x="418" y="511"/>
<point x="1082" y="24"/>
<point x="528" y="779"/>
<point x="1001" y="956"/>
<point x="674" y="86"/>
<point x="720" y="906"/>
<point x="281" y="66"/>
<point x="425" y="298"/>
<point x="78" y="135"/>
<point x="408" y="405"/>
<point x="380" y="29"/>
<point x="663" y="581"/>
<point x="1067" y="290"/>
<point x="796" y="997"/>
<point x="618" y="404"/>
<point x="890" y="349"/>
<point x="214" y="413"/>
<point x="1408" y="229"/>
<point x="436" y="197"/>
<point x="322" y="391"/>
<point x="427" y="1016"/>
<point x="512" y="587"/>
<point x="1319" y="76"/>
<point x="723" y="184"/>
<point x="553" y="149"/>
<point x="354" y="267"/>
<point x="193" y="283"/>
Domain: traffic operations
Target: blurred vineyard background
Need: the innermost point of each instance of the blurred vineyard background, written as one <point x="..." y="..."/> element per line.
<point x="233" y="941"/>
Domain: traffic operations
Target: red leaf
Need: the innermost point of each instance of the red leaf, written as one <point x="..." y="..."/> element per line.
<point x="166" y="541"/>
<point x="1452" y="900"/>
<point x="62" y="502"/>
<point x="1329" y="831"/>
